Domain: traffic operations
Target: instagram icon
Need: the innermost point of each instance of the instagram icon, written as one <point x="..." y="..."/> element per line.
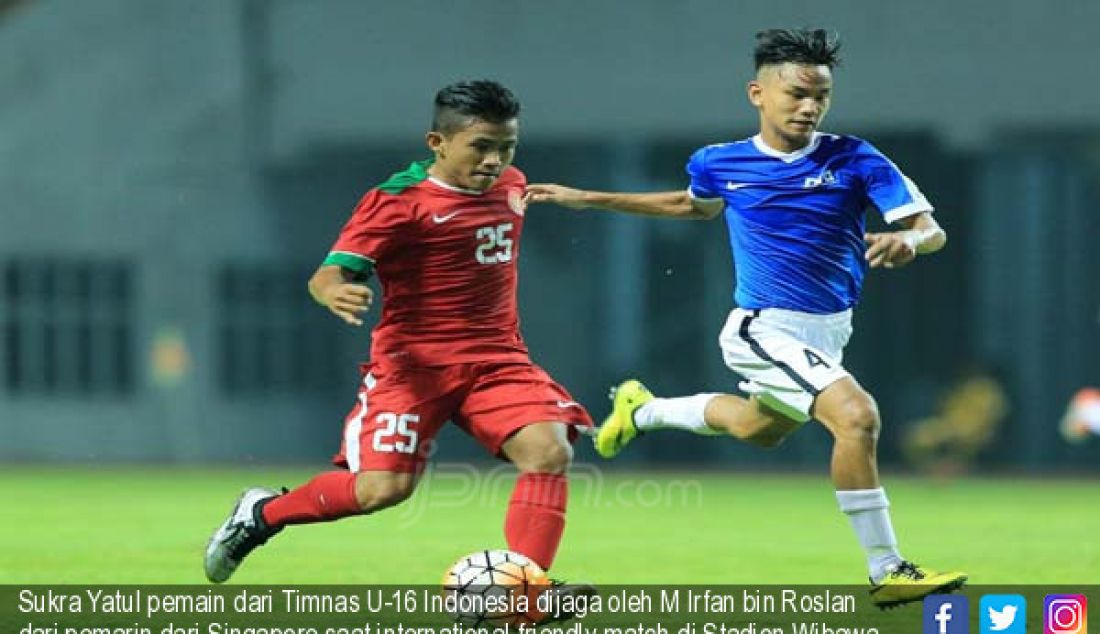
<point x="1065" y="614"/>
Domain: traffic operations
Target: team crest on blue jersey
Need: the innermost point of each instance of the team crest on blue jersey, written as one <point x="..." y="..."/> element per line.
<point x="826" y="178"/>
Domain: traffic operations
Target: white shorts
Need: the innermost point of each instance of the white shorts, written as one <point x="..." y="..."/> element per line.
<point x="786" y="357"/>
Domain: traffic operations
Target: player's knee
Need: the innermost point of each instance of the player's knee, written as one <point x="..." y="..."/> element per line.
<point x="377" y="495"/>
<point x="549" y="457"/>
<point x="859" y="418"/>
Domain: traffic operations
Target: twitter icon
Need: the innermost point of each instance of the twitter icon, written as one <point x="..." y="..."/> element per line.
<point x="1003" y="614"/>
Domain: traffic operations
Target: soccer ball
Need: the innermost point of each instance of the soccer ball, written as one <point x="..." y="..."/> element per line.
<point x="494" y="587"/>
<point x="1082" y="417"/>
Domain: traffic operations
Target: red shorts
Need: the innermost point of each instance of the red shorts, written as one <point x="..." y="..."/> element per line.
<point x="401" y="409"/>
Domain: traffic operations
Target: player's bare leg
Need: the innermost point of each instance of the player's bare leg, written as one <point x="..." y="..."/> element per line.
<point x="377" y="490"/>
<point x="851" y="416"/>
<point x="540" y="448"/>
<point x="749" y="420"/>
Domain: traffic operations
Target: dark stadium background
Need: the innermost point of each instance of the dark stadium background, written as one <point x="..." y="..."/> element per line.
<point x="172" y="172"/>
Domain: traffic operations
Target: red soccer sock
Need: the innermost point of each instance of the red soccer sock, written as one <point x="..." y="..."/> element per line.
<point x="536" y="516"/>
<point x="327" y="497"/>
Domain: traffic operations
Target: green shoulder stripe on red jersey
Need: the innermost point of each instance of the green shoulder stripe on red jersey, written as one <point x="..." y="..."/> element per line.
<point x="416" y="172"/>
<point x="362" y="267"/>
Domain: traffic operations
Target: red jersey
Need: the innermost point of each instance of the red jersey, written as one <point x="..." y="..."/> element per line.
<point x="446" y="259"/>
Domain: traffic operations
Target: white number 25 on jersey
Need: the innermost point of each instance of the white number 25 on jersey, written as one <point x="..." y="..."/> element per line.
<point x="395" y="434"/>
<point x="494" y="246"/>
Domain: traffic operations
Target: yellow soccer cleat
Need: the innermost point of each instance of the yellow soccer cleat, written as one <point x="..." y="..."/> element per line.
<point x="909" y="582"/>
<point x="618" y="428"/>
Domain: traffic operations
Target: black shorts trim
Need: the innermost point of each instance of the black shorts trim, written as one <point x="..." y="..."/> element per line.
<point x="759" y="351"/>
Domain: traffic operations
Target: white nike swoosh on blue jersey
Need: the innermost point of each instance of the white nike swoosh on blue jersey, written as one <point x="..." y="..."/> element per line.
<point x="732" y="186"/>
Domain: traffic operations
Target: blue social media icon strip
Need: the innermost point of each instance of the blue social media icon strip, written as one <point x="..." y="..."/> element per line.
<point x="1002" y="614"/>
<point x="946" y="614"/>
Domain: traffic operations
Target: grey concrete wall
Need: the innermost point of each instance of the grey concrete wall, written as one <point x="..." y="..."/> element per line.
<point x="120" y="118"/>
<point x="121" y="136"/>
<point x="644" y="67"/>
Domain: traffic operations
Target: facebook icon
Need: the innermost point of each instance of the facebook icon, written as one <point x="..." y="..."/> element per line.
<point x="946" y="614"/>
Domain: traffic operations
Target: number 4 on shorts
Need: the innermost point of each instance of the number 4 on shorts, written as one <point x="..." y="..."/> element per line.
<point x="813" y="359"/>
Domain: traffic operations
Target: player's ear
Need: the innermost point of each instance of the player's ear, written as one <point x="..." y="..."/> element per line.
<point x="755" y="92"/>
<point x="436" y="142"/>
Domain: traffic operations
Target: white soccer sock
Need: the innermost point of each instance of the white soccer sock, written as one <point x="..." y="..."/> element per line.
<point x="868" y="509"/>
<point x="684" y="413"/>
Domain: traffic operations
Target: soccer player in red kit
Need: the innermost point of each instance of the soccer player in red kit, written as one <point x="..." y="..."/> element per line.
<point x="443" y="237"/>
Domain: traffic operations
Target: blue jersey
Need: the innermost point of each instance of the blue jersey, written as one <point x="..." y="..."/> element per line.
<point x="796" y="221"/>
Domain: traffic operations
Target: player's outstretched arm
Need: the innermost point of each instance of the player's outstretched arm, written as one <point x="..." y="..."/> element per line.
<point x="922" y="235"/>
<point x="675" y="204"/>
<point x="334" y="288"/>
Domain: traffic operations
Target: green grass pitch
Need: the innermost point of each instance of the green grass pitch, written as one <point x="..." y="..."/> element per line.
<point x="149" y="525"/>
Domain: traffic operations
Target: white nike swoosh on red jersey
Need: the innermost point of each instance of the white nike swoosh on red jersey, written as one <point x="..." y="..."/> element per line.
<point x="441" y="219"/>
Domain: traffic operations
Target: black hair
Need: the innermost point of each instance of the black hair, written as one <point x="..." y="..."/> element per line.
<point x="456" y="105"/>
<point x="801" y="46"/>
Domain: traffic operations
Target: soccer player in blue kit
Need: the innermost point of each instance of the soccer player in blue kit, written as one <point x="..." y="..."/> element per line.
<point x="794" y="201"/>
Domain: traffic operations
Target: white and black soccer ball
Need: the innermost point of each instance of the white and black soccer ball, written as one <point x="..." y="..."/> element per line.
<point x="485" y="587"/>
